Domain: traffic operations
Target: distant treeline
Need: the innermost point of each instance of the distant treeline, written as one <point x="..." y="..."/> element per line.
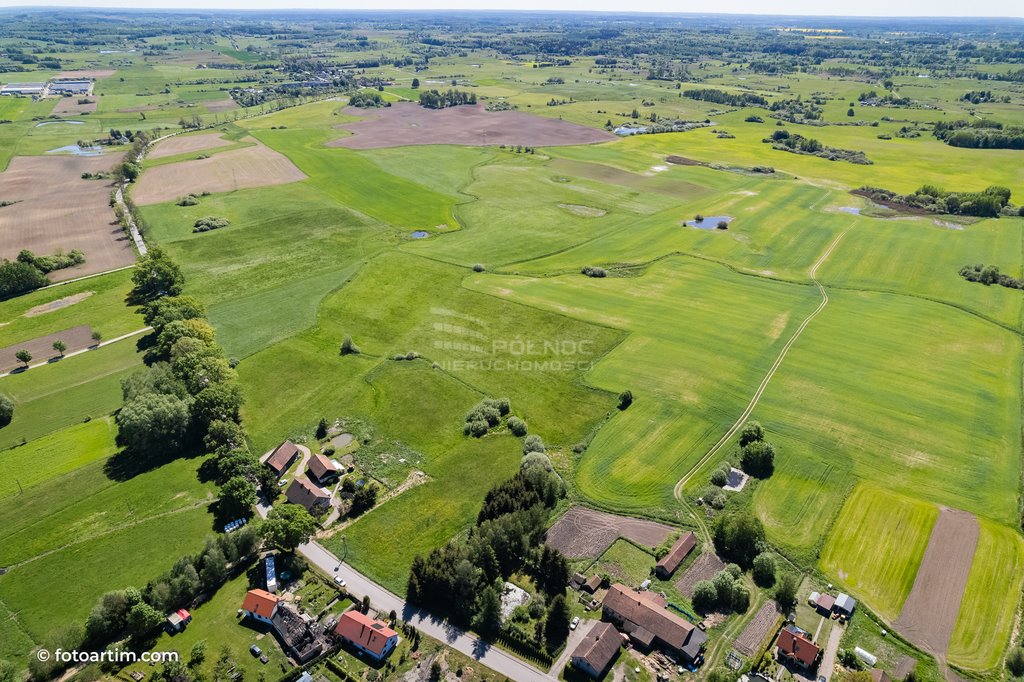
<point x="432" y="99"/>
<point x="786" y="141"/>
<point x="741" y="99"/>
<point x="981" y="134"/>
<point x="990" y="203"/>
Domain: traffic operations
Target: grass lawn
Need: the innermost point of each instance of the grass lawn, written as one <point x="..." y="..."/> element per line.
<point x="876" y="546"/>
<point x="625" y="562"/>
<point x="984" y="624"/>
<point x="55" y="454"/>
<point x="216" y="622"/>
<point x="56" y="396"/>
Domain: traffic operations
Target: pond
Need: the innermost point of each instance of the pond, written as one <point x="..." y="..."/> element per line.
<point x="51" y="123"/>
<point x="710" y="222"/>
<point x="420" y="234"/>
<point x="850" y="209"/>
<point x="76" y="150"/>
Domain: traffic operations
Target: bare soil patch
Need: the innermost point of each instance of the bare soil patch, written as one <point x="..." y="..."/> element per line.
<point x="757" y="630"/>
<point x="683" y="161"/>
<point x="583" y="211"/>
<point x="930" y="612"/>
<point x="407" y="124"/>
<point x="219" y="105"/>
<point x="256" y="166"/>
<point x="135" y="110"/>
<point x="87" y="73"/>
<point x="58" y="210"/>
<point x="904" y="667"/>
<point x="585" y="532"/>
<point x="705" y="567"/>
<point x="76" y="338"/>
<point x="69" y="106"/>
<point x="183" y="144"/>
<point x="58" y="304"/>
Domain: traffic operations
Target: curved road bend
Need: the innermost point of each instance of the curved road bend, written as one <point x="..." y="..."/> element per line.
<point x="381" y="599"/>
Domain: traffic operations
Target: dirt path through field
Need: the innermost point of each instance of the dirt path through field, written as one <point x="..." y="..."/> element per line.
<point x="930" y="612"/>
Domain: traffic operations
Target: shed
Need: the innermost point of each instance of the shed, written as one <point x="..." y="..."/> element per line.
<point x="845" y="604"/>
<point x="812" y="598"/>
<point x="590" y="587"/>
<point x="680" y="550"/>
<point x="825" y="604"/>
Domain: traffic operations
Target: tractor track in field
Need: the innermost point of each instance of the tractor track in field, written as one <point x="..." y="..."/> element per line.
<point x="678" y="490"/>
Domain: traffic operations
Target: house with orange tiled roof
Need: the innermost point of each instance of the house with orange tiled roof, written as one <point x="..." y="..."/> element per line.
<point x="366" y="634"/>
<point x="261" y="605"/>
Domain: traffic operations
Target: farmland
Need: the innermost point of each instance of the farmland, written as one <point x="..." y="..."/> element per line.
<point x="518" y="248"/>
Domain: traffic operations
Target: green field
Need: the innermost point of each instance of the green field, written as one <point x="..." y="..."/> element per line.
<point x="876" y="545"/>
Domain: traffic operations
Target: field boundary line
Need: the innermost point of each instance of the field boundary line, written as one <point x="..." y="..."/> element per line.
<point x="115" y="529"/>
<point x="54" y="361"/>
<point x="80" y="279"/>
<point x="13" y="617"/>
<point x="678" y="489"/>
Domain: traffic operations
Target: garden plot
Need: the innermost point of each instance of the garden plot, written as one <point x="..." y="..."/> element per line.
<point x="584" y="532"/>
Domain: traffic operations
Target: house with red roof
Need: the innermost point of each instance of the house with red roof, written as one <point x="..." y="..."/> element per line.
<point x="366" y="634"/>
<point x="261" y="605"/>
<point x="795" y="646"/>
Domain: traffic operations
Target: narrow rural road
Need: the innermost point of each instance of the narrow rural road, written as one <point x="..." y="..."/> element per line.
<point x="133" y="229"/>
<point x="384" y="600"/>
<point x="678" y="490"/>
<point x="50" y="361"/>
<point x="828" y="659"/>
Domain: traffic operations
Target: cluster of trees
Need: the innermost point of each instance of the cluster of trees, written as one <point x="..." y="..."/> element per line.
<point x="28" y="271"/>
<point x="739" y="537"/>
<point x="6" y="409"/>
<point x="432" y="99"/>
<point x="362" y="499"/>
<point x="989" y="274"/>
<point x="798" y="144"/>
<point x="982" y="96"/>
<point x="486" y="415"/>
<point x="871" y="98"/>
<point x="724" y="592"/>
<point x="991" y="202"/>
<point x="733" y="99"/>
<point x="367" y="99"/>
<point x="207" y="223"/>
<point x="463" y="580"/>
<point x="593" y="271"/>
<point x="797" y="111"/>
<point x="980" y="134"/>
<point x="757" y="456"/>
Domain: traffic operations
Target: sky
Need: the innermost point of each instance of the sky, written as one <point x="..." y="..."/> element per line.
<point x="941" y="8"/>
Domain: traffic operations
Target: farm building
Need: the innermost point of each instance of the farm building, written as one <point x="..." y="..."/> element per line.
<point x="590" y="586"/>
<point x="282" y="457"/>
<point x="795" y="646"/>
<point x="260" y="605"/>
<point x="595" y="653"/>
<point x="313" y="498"/>
<point x="34" y="89"/>
<point x="577" y="580"/>
<point x="645" y="618"/>
<point x="75" y="87"/>
<point x="177" y="621"/>
<point x="845" y="604"/>
<point x="322" y="468"/>
<point x="366" y="634"/>
<point x="668" y="564"/>
<point x="825" y="603"/>
<point x="271" y="574"/>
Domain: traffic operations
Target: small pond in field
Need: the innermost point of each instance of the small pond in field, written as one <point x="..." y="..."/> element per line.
<point x="76" y="150"/>
<point x="710" y="222"/>
<point x="420" y="234"/>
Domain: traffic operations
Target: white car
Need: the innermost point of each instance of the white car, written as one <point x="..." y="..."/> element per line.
<point x="575" y="622"/>
<point x="340" y="581"/>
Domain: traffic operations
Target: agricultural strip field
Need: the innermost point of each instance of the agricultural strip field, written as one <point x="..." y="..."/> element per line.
<point x="255" y="166"/>
<point x="406" y="124"/>
<point x="876" y="547"/>
<point x="76" y="338"/>
<point x="76" y="217"/>
<point x="55" y="454"/>
<point x="930" y="612"/>
<point x="583" y="532"/>
<point x="984" y="622"/>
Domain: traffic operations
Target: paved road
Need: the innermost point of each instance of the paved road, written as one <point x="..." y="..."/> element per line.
<point x="381" y="599"/>
<point x="575" y="637"/>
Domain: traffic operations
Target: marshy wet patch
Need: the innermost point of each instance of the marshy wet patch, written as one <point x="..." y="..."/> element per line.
<point x="419" y="234"/>
<point x="583" y="211"/>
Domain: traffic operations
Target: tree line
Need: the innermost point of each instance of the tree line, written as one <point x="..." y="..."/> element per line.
<point x="991" y="202"/>
<point x="28" y="271"/>
<point x="739" y="99"/>
<point x="980" y="134"/>
<point x="432" y="99"/>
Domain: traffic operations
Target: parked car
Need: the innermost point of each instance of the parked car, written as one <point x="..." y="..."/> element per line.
<point x="575" y="622"/>
<point x="255" y="650"/>
<point x="341" y="581"/>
